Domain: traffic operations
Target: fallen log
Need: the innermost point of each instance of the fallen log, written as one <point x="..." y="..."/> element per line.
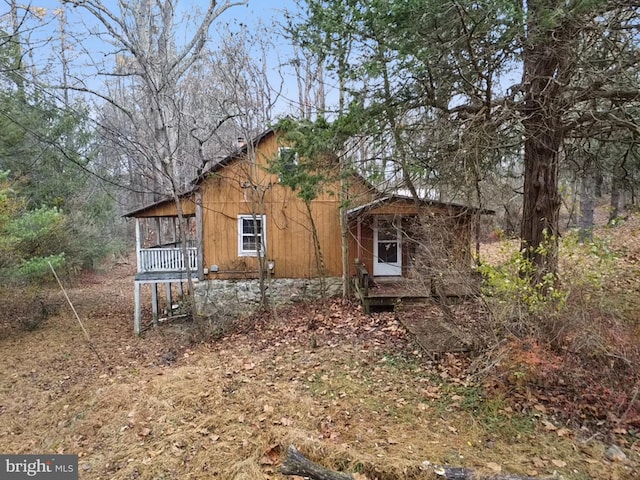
<point x="297" y="464"/>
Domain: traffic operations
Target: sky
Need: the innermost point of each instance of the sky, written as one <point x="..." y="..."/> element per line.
<point x="45" y="32"/>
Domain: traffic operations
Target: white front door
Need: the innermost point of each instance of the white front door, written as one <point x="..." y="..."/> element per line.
<point x="387" y="247"/>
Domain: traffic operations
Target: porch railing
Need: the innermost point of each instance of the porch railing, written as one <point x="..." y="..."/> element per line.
<point x="362" y="280"/>
<point x="166" y="260"/>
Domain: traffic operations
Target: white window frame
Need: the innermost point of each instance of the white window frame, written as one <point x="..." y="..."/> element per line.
<point x="263" y="236"/>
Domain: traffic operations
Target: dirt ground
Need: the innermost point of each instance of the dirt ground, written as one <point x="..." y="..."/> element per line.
<point x="350" y="391"/>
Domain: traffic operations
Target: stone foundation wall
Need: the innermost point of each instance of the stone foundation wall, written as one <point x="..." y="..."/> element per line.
<point x="242" y="297"/>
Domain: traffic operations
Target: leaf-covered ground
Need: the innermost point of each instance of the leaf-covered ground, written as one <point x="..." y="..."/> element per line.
<point x="351" y="391"/>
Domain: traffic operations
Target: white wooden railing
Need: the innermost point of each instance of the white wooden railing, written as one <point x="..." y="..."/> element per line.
<point x="166" y="260"/>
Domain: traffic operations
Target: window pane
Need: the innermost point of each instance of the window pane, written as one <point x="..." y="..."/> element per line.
<point x="386" y="230"/>
<point x="247" y="226"/>
<point x="288" y="161"/>
<point x="250" y="226"/>
<point x="248" y="243"/>
<point x="388" y="252"/>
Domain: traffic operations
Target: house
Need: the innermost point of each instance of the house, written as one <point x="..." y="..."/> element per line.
<point x="248" y="233"/>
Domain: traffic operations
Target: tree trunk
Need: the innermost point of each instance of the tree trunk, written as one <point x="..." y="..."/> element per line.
<point x="547" y="66"/>
<point x="541" y="205"/>
<point x="317" y="250"/>
<point x="614" y="209"/>
<point x="599" y="182"/>
<point x="344" y="237"/>
<point x="587" y="200"/>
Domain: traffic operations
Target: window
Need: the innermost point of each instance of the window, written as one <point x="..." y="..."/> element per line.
<point x="251" y="235"/>
<point x="288" y="161"/>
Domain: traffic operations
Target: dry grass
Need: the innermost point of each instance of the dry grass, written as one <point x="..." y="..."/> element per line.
<point x="363" y="400"/>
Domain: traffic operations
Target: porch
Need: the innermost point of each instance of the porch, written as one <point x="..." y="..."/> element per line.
<point x="408" y="252"/>
<point x="163" y="260"/>
<point x="387" y="293"/>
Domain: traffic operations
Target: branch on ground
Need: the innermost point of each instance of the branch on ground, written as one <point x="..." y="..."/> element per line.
<point x="297" y="464"/>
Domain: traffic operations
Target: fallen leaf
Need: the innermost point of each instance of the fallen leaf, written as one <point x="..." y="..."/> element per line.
<point x="538" y="462"/>
<point x="559" y="463"/>
<point x="494" y="467"/>
<point x="539" y="407"/>
<point x="286" y="422"/>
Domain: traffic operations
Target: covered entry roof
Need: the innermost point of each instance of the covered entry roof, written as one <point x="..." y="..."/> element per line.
<point x="404" y="205"/>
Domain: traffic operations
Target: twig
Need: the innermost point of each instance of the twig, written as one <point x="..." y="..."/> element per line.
<point x="86" y="334"/>
<point x="631" y="402"/>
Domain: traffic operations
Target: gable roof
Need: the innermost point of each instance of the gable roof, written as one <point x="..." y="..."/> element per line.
<point x="236" y="154"/>
<point x="197" y="181"/>
<point x="352" y="213"/>
<point x="141" y="211"/>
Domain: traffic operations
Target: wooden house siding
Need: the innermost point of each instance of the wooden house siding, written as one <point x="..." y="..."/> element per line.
<point x="244" y="187"/>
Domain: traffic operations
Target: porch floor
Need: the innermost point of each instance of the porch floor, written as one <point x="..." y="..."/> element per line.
<point x="161" y="277"/>
<point x="389" y="292"/>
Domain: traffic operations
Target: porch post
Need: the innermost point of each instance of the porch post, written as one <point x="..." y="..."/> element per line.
<point x="169" y="299"/>
<point x="154" y="302"/>
<point x="138" y="246"/>
<point x="137" y="308"/>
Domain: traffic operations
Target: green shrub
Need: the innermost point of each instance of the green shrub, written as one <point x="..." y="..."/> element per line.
<point x="511" y="284"/>
<point x="37" y="269"/>
<point x="557" y="308"/>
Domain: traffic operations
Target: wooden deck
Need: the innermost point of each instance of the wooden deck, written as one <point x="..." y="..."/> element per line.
<point x="389" y="292"/>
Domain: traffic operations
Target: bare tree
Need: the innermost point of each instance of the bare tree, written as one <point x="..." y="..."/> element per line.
<point x="146" y="51"/>
<point x="150" y="127"/>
